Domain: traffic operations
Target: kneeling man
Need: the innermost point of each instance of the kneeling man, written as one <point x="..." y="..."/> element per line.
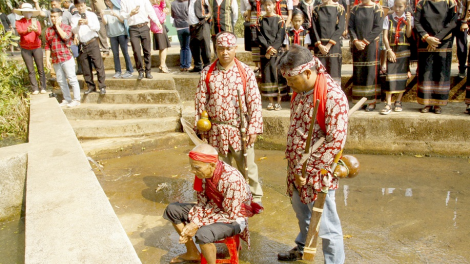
<point x="224" y="202"/>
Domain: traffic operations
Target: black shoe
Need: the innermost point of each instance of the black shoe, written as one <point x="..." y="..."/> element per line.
<point x="148" y="75"/>
<point x="90" y="90"/>
<point x="141" y="76"/>
<point x="103" y="91"/>
<point x="195" y="70"/>
<point x="291" y="255"/>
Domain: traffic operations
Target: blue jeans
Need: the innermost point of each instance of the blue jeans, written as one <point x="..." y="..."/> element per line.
<point x="115" y="43"/>
<point x="330" y="227"/>
<point x="66" y="71"/>
<point x="185" y="52"/>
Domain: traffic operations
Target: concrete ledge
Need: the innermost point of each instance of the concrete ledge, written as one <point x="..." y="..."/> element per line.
<point x="13" y="162"/>
<point x="68" y="216"/>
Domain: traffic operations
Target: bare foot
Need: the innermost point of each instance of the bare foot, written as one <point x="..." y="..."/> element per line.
<point x="186" y="257"/>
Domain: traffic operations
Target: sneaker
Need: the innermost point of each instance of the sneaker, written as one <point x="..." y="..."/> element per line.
<point x="277" y="107"/>
<point x="270" y="107"/>
<point x="35" y="92"/>
<point x="64" y="103"/>
<point x="126" y="75"/>
<point x="74" y="103"/>
<point x="43" y="91"/>
<point x="117" y="75"/>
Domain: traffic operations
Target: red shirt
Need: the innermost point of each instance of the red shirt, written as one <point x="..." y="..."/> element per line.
<point x="28" y="40"/>
<point x="59" y="46"/>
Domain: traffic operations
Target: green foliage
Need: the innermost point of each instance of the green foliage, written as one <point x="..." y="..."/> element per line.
<point x="6" y="6"/>
<point x="14" y="101"/>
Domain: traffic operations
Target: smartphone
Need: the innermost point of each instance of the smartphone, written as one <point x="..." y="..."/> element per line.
<point x="107" y="12"/>
<point x="83" y="15"/>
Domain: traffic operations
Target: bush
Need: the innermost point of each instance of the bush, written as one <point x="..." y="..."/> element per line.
<point x="14" y="97"/>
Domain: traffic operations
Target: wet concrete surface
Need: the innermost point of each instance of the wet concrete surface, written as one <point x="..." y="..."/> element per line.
<point x="400" y="209"/>
<point x="12" y="241"/>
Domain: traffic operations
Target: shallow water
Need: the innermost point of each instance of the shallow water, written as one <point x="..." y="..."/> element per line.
<point x="400" y="209"/>
<point x="12" y="241"/>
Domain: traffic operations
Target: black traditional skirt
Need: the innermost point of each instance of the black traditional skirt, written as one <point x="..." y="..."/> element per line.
<point x="434" y="73"/>
<point x="397" y="72"/>
<point x="272" y="83"/>
<point x="365" y="73"/>
<point x="332" y="61"/>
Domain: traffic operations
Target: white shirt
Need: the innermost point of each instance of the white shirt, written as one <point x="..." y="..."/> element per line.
<point x="394" y="15"/>
<point x="86" y="32"/>
<point x="146" y="11"/>
<point x="192" y="18"/>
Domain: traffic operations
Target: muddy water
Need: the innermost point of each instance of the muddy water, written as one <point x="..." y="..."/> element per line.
<point x="400" y="209"/>
<point x="12" y="241"/>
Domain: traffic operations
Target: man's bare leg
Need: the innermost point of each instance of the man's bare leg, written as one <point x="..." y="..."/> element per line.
<point x="192" y="253"/>
<point x="210" y="252"/>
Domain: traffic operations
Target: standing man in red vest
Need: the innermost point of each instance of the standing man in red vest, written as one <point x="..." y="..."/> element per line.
<point x="308" y="78"/>
<point x="217" y="94"/>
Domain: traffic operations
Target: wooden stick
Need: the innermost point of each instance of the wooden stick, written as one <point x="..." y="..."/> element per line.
<point x="311" y="242"/>
<point x="243" y="137"/>
<point x="309" y="136"/>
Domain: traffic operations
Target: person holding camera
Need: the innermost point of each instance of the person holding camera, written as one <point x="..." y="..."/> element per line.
<point x="58" y="41"/>
<point x="137" y="13"/>
<point x="85" y="26"/>
<point x="29" y="30"/>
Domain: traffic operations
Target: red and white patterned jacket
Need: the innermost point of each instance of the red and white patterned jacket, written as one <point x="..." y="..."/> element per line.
<point x="233" y="186"/>
<point x="222" y="106"/>
<point x="336" y="121"/>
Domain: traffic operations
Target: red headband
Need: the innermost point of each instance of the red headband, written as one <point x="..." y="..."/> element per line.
<point x="207" y="158"/>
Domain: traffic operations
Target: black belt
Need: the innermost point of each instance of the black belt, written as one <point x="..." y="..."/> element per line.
<point x="139" y="25"/>
<point x="88" y="42"/>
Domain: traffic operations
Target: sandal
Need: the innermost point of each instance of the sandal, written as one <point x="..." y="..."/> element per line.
<point x="370" y="107"/>
<point x="426" y="109"/>
<point x="468" y="109"/>
<point x="277" y="107"/>
<point x="270" y="107"/>
<point x="398" y="106"/>
<point x="164" y="69"/>
<point x="386" y="110"/>
<point x="437" y="110"/>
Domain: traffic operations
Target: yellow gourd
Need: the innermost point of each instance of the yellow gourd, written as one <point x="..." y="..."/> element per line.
<point x="203" y="124"/>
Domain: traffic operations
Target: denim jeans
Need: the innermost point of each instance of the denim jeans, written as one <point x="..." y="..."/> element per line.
<point x="115" y="43"/>
<point x="66" y="71"/>
<point x="330" y="227"/>
<point x="185" y="52"/>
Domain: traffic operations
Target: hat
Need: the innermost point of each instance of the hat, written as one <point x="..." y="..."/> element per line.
<point x="226" y="39"/>
<point x="26" y="7"/>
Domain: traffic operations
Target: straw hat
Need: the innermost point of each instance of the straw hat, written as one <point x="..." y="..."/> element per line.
<point x="26" y="7"/>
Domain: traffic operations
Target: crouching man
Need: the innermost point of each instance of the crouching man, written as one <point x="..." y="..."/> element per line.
<point x="224" y="203"/>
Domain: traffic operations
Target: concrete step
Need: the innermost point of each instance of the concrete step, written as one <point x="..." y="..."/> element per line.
<point x="159" y="82"/>
<point x="105" y="148"/>
<point x="124" y="128"/>
<point x="122" y="111"/>
<point x="133" y="97"/>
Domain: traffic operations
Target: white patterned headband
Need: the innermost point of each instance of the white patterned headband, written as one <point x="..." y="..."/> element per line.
<point x="226" y="40"/>
<point x="299" y="69"/>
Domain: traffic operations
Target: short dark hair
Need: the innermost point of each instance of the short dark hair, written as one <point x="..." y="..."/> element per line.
<point x="294" y="57"/>
<point x="297" y="12"/>
<point x="76" y="2"/>
<point x="56" y="10"/>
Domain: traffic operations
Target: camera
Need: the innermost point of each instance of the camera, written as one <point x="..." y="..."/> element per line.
<point x="83" y="15"/>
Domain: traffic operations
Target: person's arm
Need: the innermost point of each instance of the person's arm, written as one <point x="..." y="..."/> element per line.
<point x="377" y="27"/>
<point x="125" y="10"/>
<point x="307" y="40"/>
<point x="339" y="28"/>
<point x="118" y="16"/>
<point x="151" y="13"/>
<point x="103" y="18"/>
<point x="419" y="28"/>
<point x="316" y="23"/>
<point x="93" y="22"/>
<point x="451" y="22"/>
<point x="75" y="25"/>
<point x="346" y="24"/>
<point x="409" y="24"/>
<point x="234" y="12"/>
<point x="210" y="8"/>
<point x="21" y="27"/>
<point x="281" y="31"/>
<point x="41" y="12"/>
<point x="262" y="40"/>
<point x="66" y="34"/>
<point x="47" y="48"/>
<point x="290" y="8"/>
<point x="253" y="105"/>
<point x="352" y="25"/>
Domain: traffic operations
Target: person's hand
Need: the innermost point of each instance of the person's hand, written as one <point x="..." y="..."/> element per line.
<point x="463" y="27"/>
<point x="391" y="56"/>
<point x="48" y="65"/>
<point x="35" y="1"/>
<point x="135" y="11"/>
<point x="76" y="41"/>
<point x="408" y="18"/>
<point x="433" y="42"/>
<point x="83" y="21"/>
<point x="268" y="56"/>
<point x="322" y="49"/>
<point x="252" y="139"/>
<point x="345" y="33"/>
<point x="58" y="22"/>
<point x="431" y="48"/>
<point x="359" y="45"/>
<point x="299" y="180"/>
<point x="166" y="10"/>
<point x="190" y="230"/>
